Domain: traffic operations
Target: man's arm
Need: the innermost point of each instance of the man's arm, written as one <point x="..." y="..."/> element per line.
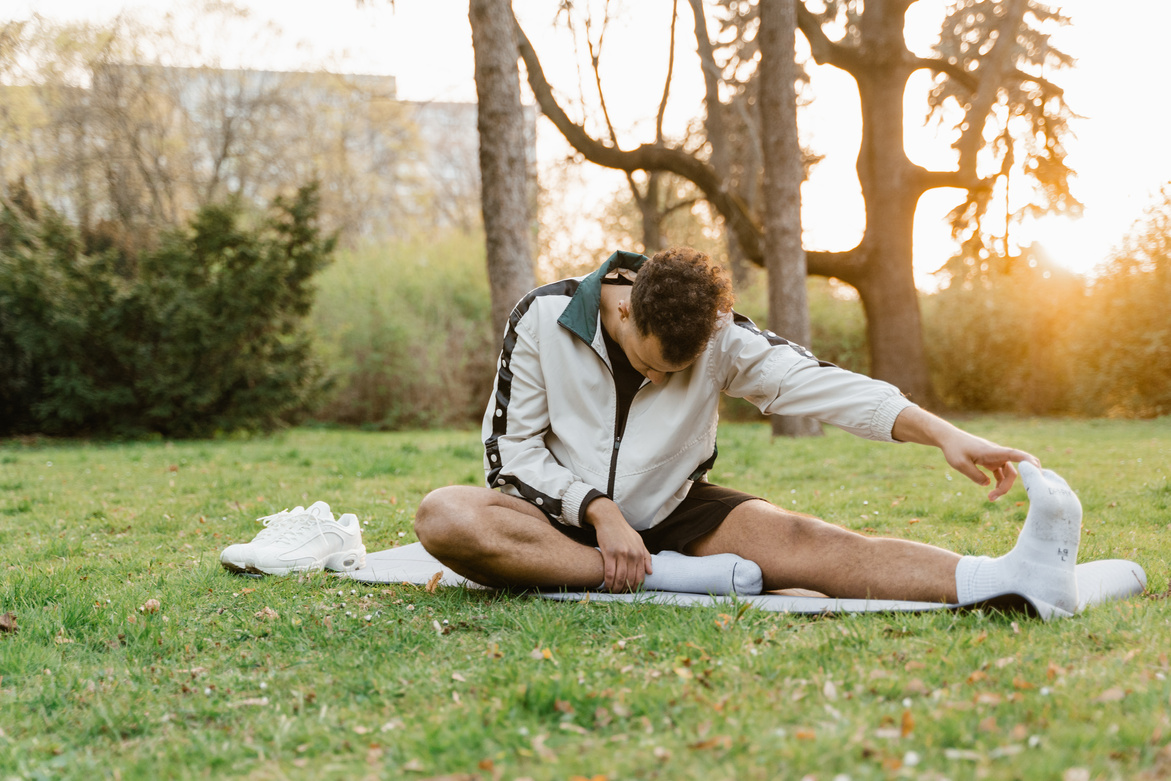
<point x="965" y="452"/>
<point x="626" y="559"/>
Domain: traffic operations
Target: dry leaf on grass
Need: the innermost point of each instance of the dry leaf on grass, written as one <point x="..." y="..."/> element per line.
<point x="1113" y="694"/>
<point x="433" y="583"/>
<point x="150" y="606"/>
<point x="8" y="623"/>
<point x="266" y="613"/>
<point x="908" y="724"/>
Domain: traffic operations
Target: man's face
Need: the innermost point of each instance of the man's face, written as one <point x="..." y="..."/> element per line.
<point x="645" y="354"/>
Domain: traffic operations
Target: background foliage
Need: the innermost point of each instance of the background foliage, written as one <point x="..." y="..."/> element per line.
<point x="202" y="333"/>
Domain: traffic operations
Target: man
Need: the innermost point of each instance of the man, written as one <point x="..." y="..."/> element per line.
<point x="602" y="426"/>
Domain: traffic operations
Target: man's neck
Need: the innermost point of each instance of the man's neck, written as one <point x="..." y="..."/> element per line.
<point x="611" y="318"/>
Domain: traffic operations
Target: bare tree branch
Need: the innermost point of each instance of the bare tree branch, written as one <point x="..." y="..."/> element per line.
<point x="646" y="157"/>
<point x="993" y="68"/>
<point x="825" y="51"/>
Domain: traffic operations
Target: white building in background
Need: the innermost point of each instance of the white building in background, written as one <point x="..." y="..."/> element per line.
<point x="153" y="143"/>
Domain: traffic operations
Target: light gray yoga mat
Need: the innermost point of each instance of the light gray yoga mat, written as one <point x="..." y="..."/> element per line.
<point x="1097" y="581"/>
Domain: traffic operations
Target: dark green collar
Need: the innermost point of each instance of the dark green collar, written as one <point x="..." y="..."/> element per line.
<point x="581" y="315"/>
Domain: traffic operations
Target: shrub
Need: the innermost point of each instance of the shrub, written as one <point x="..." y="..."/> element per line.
<point x="1001" y="336"/>
<point x="406" y="331"/>
<point x="202" y="333"/>
<point x="1125" y="354"/>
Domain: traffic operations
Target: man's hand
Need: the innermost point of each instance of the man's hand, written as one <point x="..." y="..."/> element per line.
<point x="626" y="559"/>
<point x="966" y="453"/>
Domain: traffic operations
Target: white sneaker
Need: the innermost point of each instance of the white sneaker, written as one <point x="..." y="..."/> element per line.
<point x="300" y="540"/>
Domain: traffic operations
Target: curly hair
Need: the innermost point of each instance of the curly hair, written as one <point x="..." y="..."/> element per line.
<point x="678" y="296"/>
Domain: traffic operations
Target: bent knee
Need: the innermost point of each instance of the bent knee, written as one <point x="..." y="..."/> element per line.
<point x="446" y="518"/>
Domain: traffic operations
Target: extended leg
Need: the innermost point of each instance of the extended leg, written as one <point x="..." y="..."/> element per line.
<point x="799" y="551"/>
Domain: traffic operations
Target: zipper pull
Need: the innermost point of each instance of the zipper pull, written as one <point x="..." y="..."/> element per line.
<point x="617" y="442"/>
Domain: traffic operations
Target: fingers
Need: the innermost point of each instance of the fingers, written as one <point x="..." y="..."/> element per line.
<point x="1005" y="477"/>
<point x="626" y="570"/>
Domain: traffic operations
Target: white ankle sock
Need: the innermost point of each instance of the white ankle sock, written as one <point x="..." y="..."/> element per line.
<point x="723" y="573"/>
<point x="1041" y="565"/>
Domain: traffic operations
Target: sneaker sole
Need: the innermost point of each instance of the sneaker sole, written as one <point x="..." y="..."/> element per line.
<point x="345" y="561"/>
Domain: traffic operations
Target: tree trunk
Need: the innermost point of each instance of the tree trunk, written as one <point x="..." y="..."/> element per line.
<point x="503" y="168"/>
<point x="783" y="254"/>
<point x="891" y="189"/>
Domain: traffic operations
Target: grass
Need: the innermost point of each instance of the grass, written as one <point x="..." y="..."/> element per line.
<point x="349" y="680"/>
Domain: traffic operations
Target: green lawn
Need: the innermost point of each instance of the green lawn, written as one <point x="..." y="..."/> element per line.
<point x="347" y="680"/>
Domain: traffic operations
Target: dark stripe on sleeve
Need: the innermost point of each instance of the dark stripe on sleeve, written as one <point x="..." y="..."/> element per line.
<point x="500" y="401"/>
<point x="774" y="340"/>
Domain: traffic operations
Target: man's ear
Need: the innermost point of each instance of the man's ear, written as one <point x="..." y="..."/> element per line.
<point x="624" y="308"/>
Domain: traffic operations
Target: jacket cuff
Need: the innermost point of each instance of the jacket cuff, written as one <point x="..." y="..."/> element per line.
<point x="573" y="503"/>
<point x="888" y="411"/>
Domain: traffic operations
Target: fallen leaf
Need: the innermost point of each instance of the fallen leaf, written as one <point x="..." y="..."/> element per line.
<point x="721" y="741"/>
<point x="250" y="701"/>
<point x="433" y="583"/>
<point x="908" y="724"/>
<point x="8" y="623"/>
<point x="247" y="590"/>
<point x="684" y="673"/>
<point x="543" y="751"/>
<point x="830" y="691"/>
<point x="414" y="766"/>
<point x="458" y="677"/>
<point x="486" y="764"/>
<point x="1020" y="683"/>
<point x="563" y="706"/>
<point x="988" y="698"/>
<point x="987" y="724"/>
<point x="980" y="637"/>
<point x="977" y="676"/>
<point x="150" y="606"/>
<point x="1113" y="694"/>
<point x="266" y="613"/>
<point x="916" y="686"/>
<point x="661" y="754"/>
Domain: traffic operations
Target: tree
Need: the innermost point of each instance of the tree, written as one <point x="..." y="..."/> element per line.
<point x="504" y="189"/>
<point x="784" y="257"/>
<point x="985" y="66"/>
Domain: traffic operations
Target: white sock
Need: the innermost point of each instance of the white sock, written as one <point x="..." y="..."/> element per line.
<point x="723" y="573"/>
<point x="1041" y="565"/>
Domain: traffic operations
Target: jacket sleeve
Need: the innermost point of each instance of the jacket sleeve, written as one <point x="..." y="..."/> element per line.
<point x="782" y="378"/>
<point x="516" y="459"/>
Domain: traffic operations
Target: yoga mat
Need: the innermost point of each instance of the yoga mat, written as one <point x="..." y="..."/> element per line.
<point x="1097" y="582"/>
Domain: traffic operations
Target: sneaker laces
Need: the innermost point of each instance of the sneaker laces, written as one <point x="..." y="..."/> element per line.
<point x="285" y="526"/>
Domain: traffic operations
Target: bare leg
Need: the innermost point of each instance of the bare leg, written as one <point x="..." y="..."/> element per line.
<point x="799" y="551"/>
<point x="499" y="540"/>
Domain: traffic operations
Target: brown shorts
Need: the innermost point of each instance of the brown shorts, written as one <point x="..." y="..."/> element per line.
<point x="705" y="508"/>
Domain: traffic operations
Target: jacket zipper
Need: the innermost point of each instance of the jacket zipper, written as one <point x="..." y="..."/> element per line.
<point x="618" y="434"/>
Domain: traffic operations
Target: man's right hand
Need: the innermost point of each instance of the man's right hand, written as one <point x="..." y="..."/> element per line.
<point x="624" y="555"/>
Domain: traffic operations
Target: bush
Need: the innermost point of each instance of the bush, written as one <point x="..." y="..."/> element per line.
<point x="1002" y="336"/>
<point x="1125" y="355"/>
<point x="406" y="331"/>
<point x="202" y="333"/>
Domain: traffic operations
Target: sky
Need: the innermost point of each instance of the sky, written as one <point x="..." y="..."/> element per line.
<point x="1120" y="152"/>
